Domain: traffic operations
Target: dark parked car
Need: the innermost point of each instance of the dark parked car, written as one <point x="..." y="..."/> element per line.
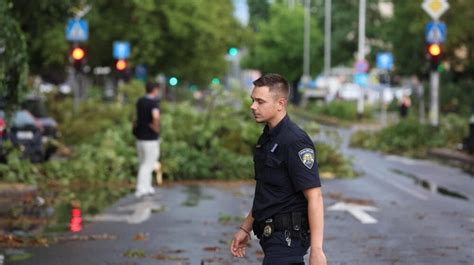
<point x="35" y="105"/>
<point x="26" y="133"/>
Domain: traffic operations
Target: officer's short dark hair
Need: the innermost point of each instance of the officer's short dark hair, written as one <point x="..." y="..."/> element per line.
<point x="275" y="82"/>
<point x="150" y="86"/>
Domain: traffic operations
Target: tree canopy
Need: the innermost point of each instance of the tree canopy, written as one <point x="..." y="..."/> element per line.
<point x="187" y="39"/>
<point x="13" y="60"/>
<point x="279" y="43"/>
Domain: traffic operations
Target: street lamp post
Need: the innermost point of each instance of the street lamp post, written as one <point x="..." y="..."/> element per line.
<point x="327" y="37"/>
<point x="306" y="76"/>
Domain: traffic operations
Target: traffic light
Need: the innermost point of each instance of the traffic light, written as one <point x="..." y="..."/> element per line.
<point x="233" y="51"/>
<point x="434" y="53"/>
<point x="121" y="65"/>
<point x="121" y="69"/>
<point x="173" y="81"/>
<point x="78" y="53"/>
<point x="216" y="81"/>
<point x="78" y="56"/>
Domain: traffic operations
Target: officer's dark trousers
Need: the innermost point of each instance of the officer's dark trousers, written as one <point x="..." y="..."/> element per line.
<point x="277" y="251"/>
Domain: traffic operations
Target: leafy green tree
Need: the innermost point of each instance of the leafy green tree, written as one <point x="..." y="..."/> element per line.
<point x="13" y="60"/>
<point x="184" y="38"/>
<point x="459" y="47"/>
<point x="344" y="29"/>
<point x="407" y="37"/>
<point x="43" y="24"/>
<point x="258" y="11"/>
<point x="279" y="43"/>
<point x="196" y="36"/>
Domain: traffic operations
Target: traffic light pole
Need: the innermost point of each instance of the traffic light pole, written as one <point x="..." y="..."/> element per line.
<point x="434" y="107"/>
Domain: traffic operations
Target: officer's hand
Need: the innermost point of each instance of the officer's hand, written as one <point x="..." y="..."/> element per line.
<point x="317" y="257"/>
<point x="239" y="243"/>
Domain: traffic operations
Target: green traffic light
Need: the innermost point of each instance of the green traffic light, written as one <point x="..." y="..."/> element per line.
<point x="215" y="81"/>
<point x="233" y="51"/>
<point x="173" y="81"/>
<point x="440" y="68"/>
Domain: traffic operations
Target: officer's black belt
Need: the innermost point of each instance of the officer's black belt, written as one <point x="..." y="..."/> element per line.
<point x="295" y="222"/>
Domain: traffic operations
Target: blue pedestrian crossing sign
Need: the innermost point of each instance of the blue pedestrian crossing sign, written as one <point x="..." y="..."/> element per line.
<point x="435" y="32"/>
<point x="77" y="30"/>
<point x="384" y="60"/>
<point x="121" y="50"/>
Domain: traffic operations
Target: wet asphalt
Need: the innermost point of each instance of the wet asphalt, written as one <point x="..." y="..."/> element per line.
<point x="193" y="223"/>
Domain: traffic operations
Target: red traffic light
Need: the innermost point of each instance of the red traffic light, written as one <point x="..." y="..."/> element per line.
<point x="434" y="49"/>
<point x="120" y="65"/>
<point x="78" y="53"/>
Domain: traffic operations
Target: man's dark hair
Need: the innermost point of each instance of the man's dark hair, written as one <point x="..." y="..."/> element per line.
<point x="150" y="86"/>
<point x="275" y="82"/>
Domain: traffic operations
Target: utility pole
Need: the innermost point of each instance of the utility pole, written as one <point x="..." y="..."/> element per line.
<point x="306" y="76"/>
<point x="327" y="37"/>
<point x="291" y="4"/>
<point x="361" y="53"/>
<point x="434" y="106"/>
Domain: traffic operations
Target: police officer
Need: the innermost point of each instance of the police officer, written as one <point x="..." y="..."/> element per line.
<point x="287" y="213"/>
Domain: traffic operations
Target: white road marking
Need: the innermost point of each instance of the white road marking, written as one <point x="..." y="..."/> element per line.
<point x="141" y="213"/>
<point x="358" y="211"/>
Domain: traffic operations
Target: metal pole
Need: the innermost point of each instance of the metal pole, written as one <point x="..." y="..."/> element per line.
<point x="327" y="37"/>
<point x="306" y="75"/>
<point x="362" y="4"/>
<point x="421" y="96"/>
<point x="360" y="54"/>
<point x="434" y="108"/>
<point x="291" y="4"/>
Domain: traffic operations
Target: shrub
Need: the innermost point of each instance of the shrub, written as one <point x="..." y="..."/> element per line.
<point x="412" y="138"/>
<point x="343" y="110"/>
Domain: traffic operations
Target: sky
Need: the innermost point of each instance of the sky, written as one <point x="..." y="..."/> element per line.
<point x="241" y="11"/>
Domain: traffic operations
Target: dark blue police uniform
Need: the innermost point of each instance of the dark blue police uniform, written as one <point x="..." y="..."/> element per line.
<point x="285" y="165"/>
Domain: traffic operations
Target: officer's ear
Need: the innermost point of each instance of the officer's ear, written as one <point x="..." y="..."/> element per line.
<point x="281" y="103"/>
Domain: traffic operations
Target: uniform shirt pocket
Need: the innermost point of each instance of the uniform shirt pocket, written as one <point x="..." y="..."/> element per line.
<point x="259" y="164"/>
<point x="275" y="174"/>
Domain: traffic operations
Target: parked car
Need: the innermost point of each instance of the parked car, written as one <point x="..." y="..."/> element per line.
<point x="35" y="105"/>
<point x="26" y="133"/>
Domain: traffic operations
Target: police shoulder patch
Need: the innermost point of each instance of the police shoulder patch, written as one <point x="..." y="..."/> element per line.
<point x="307" y="157"/>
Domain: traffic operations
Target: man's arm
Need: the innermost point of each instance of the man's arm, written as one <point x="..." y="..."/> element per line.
<point x="241" y="237"/>
<point x="316" y="225"/>
<point x="155" y="123"/>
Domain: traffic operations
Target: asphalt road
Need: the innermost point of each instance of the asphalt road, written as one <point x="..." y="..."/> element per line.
<point x="399" y="211"/>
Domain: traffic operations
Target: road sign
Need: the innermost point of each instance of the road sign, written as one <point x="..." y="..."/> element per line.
<point x="435" y="8"/>
<point x="121" y="50"/>
<point x="77" y="30"/>
<point x="361" y="66"/>
<point x="435" y="32"/>
<point x="361" y="79"/>
<point x="384" y="60"/>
